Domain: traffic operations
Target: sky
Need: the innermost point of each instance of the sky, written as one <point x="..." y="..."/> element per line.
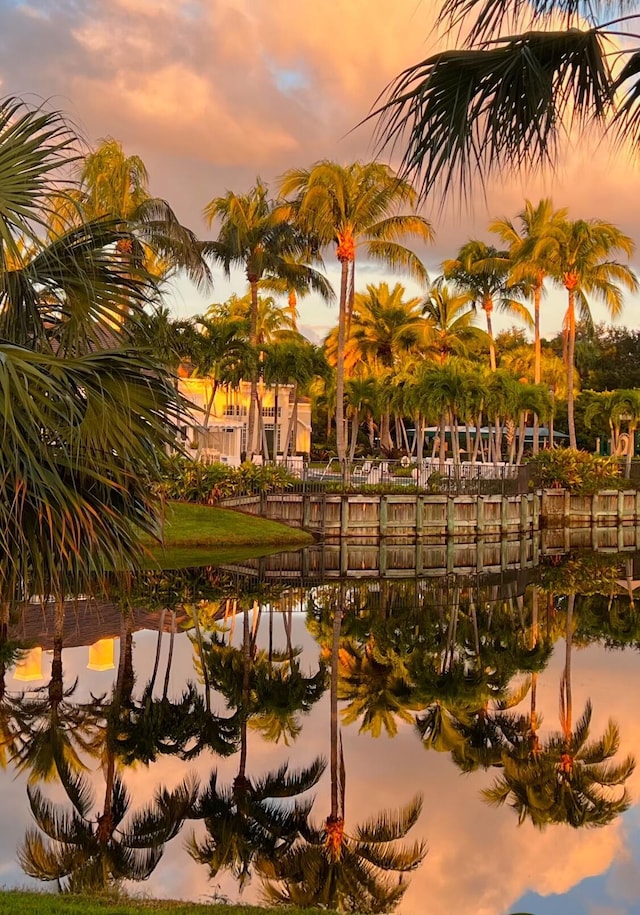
<point x="213" y="93"/>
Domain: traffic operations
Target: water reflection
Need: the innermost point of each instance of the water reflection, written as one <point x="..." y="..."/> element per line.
<point x="260" y="670"/>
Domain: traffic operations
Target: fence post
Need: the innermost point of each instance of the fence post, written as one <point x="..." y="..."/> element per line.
<point x="384" y="515"/>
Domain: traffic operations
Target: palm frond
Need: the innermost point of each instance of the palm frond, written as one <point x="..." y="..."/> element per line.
<point x="464" y="113"/>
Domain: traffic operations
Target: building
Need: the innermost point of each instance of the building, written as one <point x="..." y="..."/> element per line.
<point x="218" y="431"/>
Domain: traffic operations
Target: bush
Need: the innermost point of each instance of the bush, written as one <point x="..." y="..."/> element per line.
<point x="577" y="471"/>
<point x="187" y="480"/>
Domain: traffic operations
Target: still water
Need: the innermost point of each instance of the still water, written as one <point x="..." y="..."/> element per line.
<point x="492" y="709"/>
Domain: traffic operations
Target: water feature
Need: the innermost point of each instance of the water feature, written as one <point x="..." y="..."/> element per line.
<point x="463" y="686"/>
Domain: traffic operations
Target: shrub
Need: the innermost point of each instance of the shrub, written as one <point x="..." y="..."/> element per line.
<point x="188" y="480"/>
<point x="577" y="471"/>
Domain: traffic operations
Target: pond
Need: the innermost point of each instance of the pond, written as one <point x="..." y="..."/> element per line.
<point x="490" y="713"/>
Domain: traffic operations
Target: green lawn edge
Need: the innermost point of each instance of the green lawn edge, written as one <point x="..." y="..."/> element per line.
<point x="204" y="535"/>
<point x="18" y="902"/>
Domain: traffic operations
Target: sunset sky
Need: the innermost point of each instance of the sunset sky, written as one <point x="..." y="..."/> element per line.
<point x="212" y="93"/>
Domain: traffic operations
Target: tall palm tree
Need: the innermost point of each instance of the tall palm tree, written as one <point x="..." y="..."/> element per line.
<point x="525" y="76"/>
<point x="259" y="236"/>
<point x="483" y="272"/>
<point x="580" y="256"/>
<point x="534" y="223"/>
<point x="351" y="207"/>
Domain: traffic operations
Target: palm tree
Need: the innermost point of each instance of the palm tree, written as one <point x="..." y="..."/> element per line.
<point x="525" y="76"/>
<point x="384" y="330"/>
<point x="361" y="398"/>
<point x="350" y="207"/>
<point x="534" y="225"/>
<point x="83" y="423"/>
<point x="483" y="272"/>
<point x="258" y="235"/>
<point x="450" y="317"/>
<point x="116" y="186"/>
<point x="625" y="407"/>
<point x="579" y="256"/>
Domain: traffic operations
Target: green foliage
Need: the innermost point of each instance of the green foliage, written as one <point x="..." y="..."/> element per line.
<point x="577" y="471"/>
<point x="194" y="481"/>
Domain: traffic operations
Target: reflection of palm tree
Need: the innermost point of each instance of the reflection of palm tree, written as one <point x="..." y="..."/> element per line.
<point x="567" y="779"/>
<point x="243" y="821"/>
<point x="335" y="869"/>
<point x="96" y="851"/>
<point x="248" y="819"/>
<point x="51" y="730"/>
<point x="378" y="688"/>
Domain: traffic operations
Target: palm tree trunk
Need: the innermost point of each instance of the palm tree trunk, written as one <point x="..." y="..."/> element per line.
<point x="203" y="664"/>
<point x="56" y="686"/>
<point x="419" y="439"/>
<point x="386" y="443"/>
<point x="630" y="450"/>
<point x="253" y="396"/>
<point x="537" y="361"/>
<point x="342" y="335"/>
<point x="571" y="346"/>
<point x="488" y="308"/>
<point x="566" y="699"/>
<point x="207" y="415"/>
<point x="355" y="425"/>
<point x="521" y="438"/>
<point x="403" y="433"/>
<point x="443" y="427"/>
<point x="276" y="397"/>
<point x="533" y="719"/>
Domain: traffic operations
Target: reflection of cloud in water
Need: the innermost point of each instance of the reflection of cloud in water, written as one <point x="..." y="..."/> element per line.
<point x="479" y="860"/>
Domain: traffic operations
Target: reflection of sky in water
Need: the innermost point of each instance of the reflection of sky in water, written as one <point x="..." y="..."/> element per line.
<point x="479" y="860"/>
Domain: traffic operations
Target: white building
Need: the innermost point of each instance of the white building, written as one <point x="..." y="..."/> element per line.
<point x="218" y="431"/>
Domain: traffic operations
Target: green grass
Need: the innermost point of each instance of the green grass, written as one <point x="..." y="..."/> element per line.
<point x="200" y="535"/>
<point x="21" y="903"/>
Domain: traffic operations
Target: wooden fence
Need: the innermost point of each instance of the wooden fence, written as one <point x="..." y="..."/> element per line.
<point x="396" y="516"/>
<point x="423" y="515"/>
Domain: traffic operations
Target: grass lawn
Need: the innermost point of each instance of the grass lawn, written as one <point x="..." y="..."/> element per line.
<point x="199" y="535"/>
<point x="19" y="903"/>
